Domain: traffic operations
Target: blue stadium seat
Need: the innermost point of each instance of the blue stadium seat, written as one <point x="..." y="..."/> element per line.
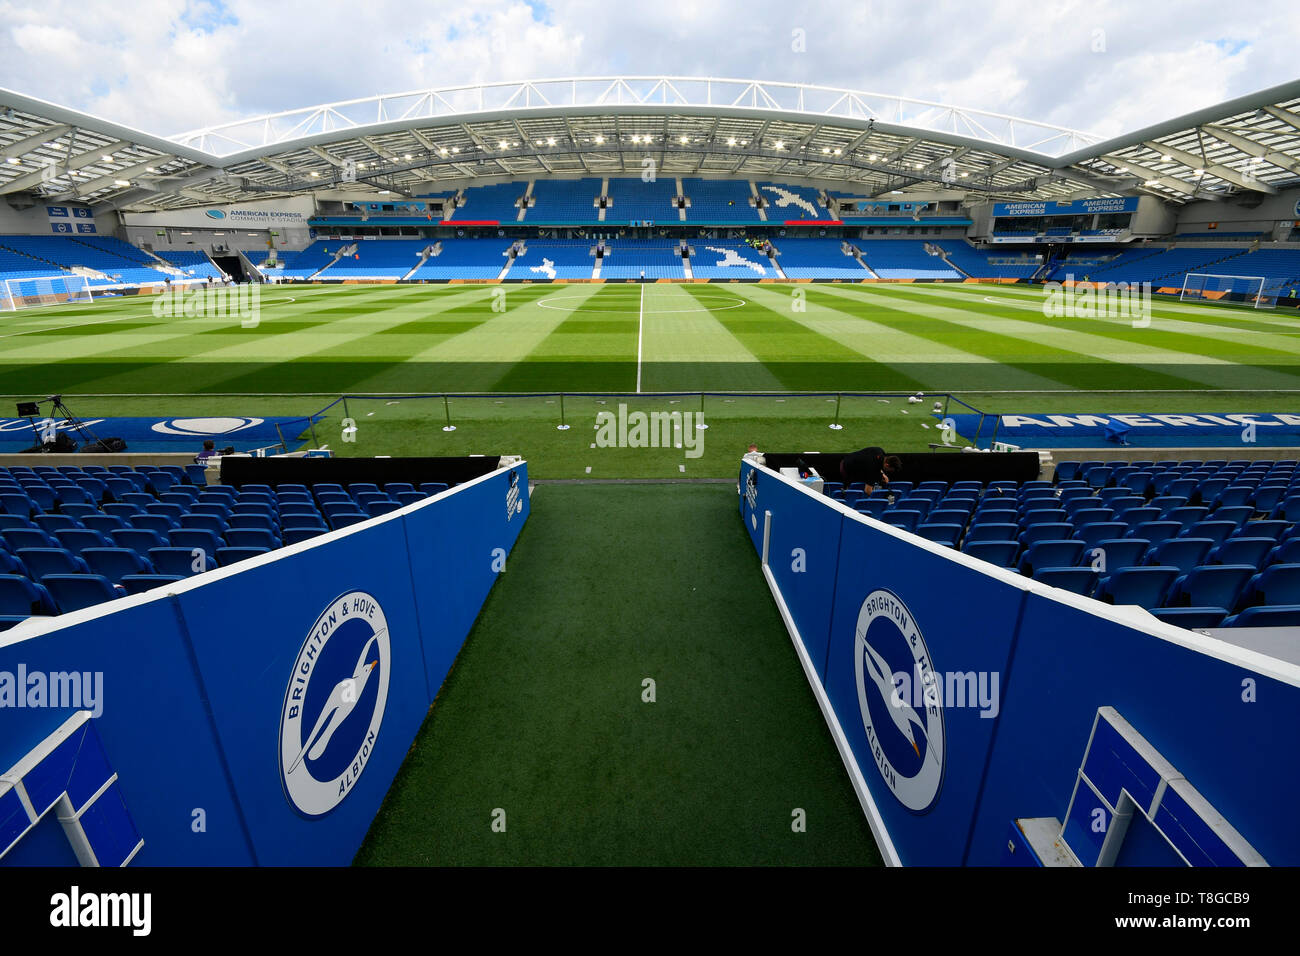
<point x="139" y="540"/>
<point x="251" y="538"/>
<point x="167" y="509"/>
<point x="1156" y="531"/>
<point x="433" y="487"/>
<point x="1191" y="616"/>
<point x="1065" y="471"/>
<point x="294" y="535"/>
<point x="1211" y="585"/>
<point x="16" y="538"/>
<point x="213" y="523"/>
<point x="20" y="505"/>
<point x="947" y="515"/>
<point x="51" y="523"/>
<point x="228" y="556"/>
<point x="341" y="519"/>
<point x="904" y="518"/>
<point x="1001" y="553"/>
<point x="1264" y="529"/>
<point x="1051" y="531"/>
<point x="1276" y="584"/>
<point x="1144" y="587"/>
<point x="181" y="561"/>
<point x="1053" y="553"/>
<point x="72" y="592"/>
<point x="940" y="533"/>
<point x="42" y="561"/>
<point x="195" y="538"/>
<point x="376" y="508"/>
<point x="1091" y="534"/>
<point x="77" y="540"/>
<point x="992" y="531"/>
<point x="306" y="520"/>
<point x="1085" y="516"/>
<point x="1281" y="615"/>
<point x="1238" y="515"/>
<point x="1167" y="503"/>
<point x="20" y="598"/>
<point x="1117" y="553"/>
<point x="104" y="524"/>
<point x="1182" y="553"/>
<point x="1288" y="552"/>
<point x="115" y="563"/>
<point x="125" y="511"/>
<point x="1217" y="531"/>
<point x="13" y="521"/>
<point x="1076" y="580"/>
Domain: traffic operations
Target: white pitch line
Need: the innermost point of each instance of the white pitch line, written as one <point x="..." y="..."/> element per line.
<point x="640" y="322"/>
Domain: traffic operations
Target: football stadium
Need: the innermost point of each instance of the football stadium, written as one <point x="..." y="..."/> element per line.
<point x="463" y="476"/>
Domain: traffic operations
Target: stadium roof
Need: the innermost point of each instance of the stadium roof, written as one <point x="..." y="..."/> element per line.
<point x="430" y="141"/>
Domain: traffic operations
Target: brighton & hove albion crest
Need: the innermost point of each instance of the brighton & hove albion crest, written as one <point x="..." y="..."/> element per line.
<point x="334" y="704"/>
<point x="903" y="715"/>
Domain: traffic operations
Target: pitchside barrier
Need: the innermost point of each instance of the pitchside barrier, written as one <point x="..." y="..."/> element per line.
<point x="987" y="719"/>
<point x="254" y="715"/>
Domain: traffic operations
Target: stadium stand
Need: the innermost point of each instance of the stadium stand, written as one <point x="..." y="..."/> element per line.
<point x="786" y="202"/>
<point x="564" y="200"/>
<point x="633" y="200"/>
<point x="986" y="263"/>
<point x="381" y="259"/>
<point x="120" y="262"/>
<point x="497" y="203"/>
<point x="723" y="202"/>
<point x="728" y="259"/>
<point x="905" y="259"/>
<point x="311" y="260"/>
<point x="196" y="264"/>
<point x="555" y="259"/>
<point x="627" y="258"/>
<point x="58" y="553"/>
<point x="1198" y="543"/>
<point x="818" y="259"/>
<point x="465" y="259"/>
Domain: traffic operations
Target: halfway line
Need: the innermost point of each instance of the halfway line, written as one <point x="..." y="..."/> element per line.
<point x="640" y="320"/>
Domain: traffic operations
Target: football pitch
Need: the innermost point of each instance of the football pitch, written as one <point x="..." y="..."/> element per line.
<point x="304" y="346"/>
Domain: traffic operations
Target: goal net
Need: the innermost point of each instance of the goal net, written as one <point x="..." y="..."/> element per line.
<point x="49" y="290"/>
<point x="1223" y="289"/>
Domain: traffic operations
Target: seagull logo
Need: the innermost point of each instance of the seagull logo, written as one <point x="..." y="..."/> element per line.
<point x="342" y="699"/>
<point x="334" y="703"/>
<point x="904" y="716"/>
<point x="906" y="742"/>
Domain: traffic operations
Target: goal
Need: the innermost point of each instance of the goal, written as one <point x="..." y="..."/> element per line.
<point x="48" y="290"/>
<point x="1224" y="289"/>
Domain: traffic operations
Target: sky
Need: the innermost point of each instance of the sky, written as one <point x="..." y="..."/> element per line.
<point x="168" y="66"/>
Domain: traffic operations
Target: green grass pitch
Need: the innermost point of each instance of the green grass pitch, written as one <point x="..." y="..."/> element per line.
<point x="991" y="345"/>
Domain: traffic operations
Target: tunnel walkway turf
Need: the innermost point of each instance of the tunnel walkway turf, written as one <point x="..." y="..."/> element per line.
<point x="543" y="715"/>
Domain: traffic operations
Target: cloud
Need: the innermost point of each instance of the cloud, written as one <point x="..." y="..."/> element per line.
<point x="167" y="66"/>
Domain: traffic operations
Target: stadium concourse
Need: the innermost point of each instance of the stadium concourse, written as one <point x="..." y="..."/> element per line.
<point x="541" y="337"/>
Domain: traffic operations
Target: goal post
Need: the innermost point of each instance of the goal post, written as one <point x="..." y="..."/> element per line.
<point x="46" y="290"/>
<point x="1228" y="289"/>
